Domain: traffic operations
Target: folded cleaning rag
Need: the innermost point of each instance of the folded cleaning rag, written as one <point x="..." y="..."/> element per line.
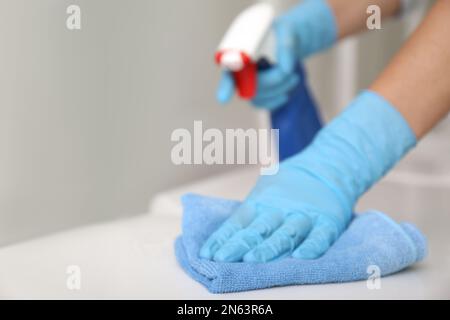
<point x="372" y="239"/>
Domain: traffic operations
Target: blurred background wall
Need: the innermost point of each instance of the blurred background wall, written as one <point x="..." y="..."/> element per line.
<point x="86" y="115"/>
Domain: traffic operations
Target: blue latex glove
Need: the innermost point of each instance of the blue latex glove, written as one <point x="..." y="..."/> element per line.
<point x="303" y="209"/>
<point x="308" y="28"/>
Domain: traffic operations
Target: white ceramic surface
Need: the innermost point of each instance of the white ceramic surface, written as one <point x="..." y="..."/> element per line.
<point x="133" y="258"/>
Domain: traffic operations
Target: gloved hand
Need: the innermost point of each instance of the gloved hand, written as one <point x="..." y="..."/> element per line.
<point x="303" y="209"/>
<point x="308" y="28"/>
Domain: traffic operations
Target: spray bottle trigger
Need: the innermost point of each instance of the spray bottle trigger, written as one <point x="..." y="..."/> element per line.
<point x="246" y="80"/>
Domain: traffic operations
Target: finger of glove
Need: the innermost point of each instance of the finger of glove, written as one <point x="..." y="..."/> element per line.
<point x="218" y="238"/>
<point x="321" y="237"/>
<point x="267" y="221"/>
<point x="271" y="104"/>
<point x="282" y="89"/>
<point x="225" y="90"/>
<point x="283" y="241"/>
<point x="271" y="77"/>
<point x="286" y="56"/>
<point x="241" y="218"/>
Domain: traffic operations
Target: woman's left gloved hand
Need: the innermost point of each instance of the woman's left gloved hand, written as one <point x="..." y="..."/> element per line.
<point x="304" y="30"/>
<point x="301" y="210"/>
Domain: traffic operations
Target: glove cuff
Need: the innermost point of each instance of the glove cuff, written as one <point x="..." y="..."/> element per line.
<point x="357" y="148"/>
<point x="315" y="26"/>
<point x="377" y="129"/>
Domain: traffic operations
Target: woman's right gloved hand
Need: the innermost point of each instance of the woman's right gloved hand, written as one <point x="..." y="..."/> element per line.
<point x="308" y="28"/>
<point x="302" y="209"/>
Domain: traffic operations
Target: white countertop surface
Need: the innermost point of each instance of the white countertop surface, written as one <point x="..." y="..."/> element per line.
<point x="133" y="259"/>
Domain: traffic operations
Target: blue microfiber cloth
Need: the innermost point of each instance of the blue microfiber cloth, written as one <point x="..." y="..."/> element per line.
<point x="372" y="238"/>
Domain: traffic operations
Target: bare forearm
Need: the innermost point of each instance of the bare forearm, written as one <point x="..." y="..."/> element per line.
<point x="417" y="81"/>
<point x="351" y="15"/>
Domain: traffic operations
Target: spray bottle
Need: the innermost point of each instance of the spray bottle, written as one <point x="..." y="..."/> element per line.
<point x="249" y="46"/>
